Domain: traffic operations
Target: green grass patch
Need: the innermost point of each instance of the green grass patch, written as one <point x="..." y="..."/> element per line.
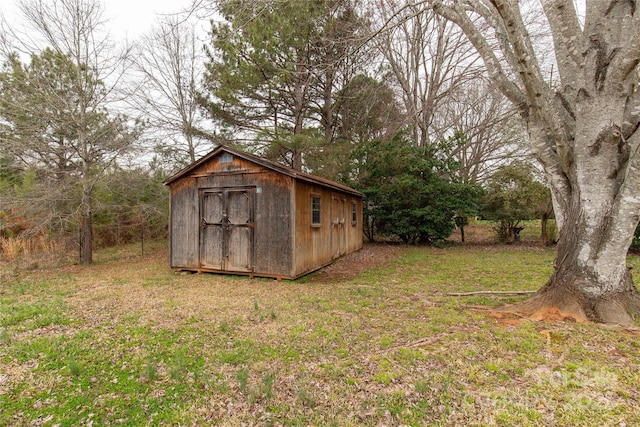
<point x="132" y="343"/>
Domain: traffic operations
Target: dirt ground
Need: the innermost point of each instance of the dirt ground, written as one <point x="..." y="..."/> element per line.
<point x="372" y="255"/>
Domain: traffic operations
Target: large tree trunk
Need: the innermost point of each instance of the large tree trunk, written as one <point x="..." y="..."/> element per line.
<point x="599" y="213"/>
<point x="599" y="208"/>
<point x="597" y="168"/>
<point x="590" y="281"/>
<point x="584" y="131"/>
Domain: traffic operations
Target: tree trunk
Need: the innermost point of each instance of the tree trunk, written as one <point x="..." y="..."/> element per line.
<point x="299" y="105"/>
<point x="584" y="130"/>
<point x="591" y="280"/>
<point x="327" y="107"/>
<point x="86" y="226"/>
<point x="86" y="233"/>
<point x="581" y="294"/>
<point x="544" y="232"/>
<point x="546" y="237"/>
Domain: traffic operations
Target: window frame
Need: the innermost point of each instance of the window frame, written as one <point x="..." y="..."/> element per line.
<point x="316" y="210"/>
<point x="225" y="158"/>
<point x="354" y="213"/>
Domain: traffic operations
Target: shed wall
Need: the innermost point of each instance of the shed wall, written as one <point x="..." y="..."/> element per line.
<point x="283" y="239"/>
<point x="183" y="223"/>
<point x="316" y="245"/>
<point x="355" y="235"/>
<point x="272" y="233"/>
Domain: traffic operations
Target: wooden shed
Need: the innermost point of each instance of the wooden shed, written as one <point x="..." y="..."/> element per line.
<point x="233" y="212"/>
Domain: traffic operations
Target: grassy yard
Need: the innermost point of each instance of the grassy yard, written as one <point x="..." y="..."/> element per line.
<point x="128" y="342"/>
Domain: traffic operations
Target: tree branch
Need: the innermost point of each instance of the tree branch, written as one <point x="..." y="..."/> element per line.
<point x="490" y="15"/>
<point x="627" y="61"/>
<point x="456" y="14"/>
<point x="567" y="37"/>
<point x="533" y="83"/>
<point x="502" y="293"/>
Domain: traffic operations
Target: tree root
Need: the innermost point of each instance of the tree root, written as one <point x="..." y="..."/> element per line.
<point x="567" y="305"/>
<point x="541" y="307"/>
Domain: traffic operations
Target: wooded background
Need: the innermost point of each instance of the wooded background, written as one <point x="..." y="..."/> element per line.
<point x="386" y="96"/>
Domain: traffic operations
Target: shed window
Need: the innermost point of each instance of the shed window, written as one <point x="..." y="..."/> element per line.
<point x="315" y="210"/>
<point x="226" y="158"/>
<point x="354" y="213"/>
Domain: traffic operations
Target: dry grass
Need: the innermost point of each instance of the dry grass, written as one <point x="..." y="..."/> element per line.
<point x="128" y="342"/>
<point x="11" y="247"/>
<point x="32" y="252"/>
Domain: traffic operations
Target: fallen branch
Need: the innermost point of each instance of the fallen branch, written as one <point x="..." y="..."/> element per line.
<point x="422" y="342"/>
<point x="467" y="294"/>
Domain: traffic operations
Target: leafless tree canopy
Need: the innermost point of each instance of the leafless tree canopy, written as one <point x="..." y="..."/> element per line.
<point x="168" y="65"/>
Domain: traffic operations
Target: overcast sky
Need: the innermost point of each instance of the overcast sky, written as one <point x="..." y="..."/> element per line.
<point x="135" y="17"/>
<point x="128" y="19"/>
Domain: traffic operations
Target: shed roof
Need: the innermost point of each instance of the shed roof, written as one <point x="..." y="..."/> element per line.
<point x="277" y="167"/>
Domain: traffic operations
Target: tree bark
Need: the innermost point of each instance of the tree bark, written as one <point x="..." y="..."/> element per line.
<point x="544" y="231"/>
<point x="588" y="283"/>
<point x="86" y="226"/>
<point x="86" y="236"/>
<point x="584" y="131"/>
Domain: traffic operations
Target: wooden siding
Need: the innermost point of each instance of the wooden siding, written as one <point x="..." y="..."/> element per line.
<point x="312" y="241"/>
<point x="271" y="240"/>
<point x="317" y="245"/>
<point x="232" y="214"/>
<point x="355" y="234"/>
<point x="184" y="224"/>
<point x="274" y="225"/>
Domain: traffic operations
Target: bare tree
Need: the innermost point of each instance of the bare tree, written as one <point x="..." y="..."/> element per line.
<point x="584" y="132"/>
<point x="170" y="63"/>
<point x="428" y="57"/>
<point x="484" y="128"/>
<point x="73" y="30"/>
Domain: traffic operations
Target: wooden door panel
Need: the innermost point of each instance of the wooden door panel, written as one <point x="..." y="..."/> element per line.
<point x="211" y="231"/>
<point x="211" y="247"/>
<point x="338" y="229"/>
<point x="239" y="255"/>
<point x="226" y="229"/>
<point x="213" y="207"/>
<point x="240" y="231"/>
<point x="239" y="207"/>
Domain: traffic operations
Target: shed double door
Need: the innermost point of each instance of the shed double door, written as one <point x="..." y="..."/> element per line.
<point x="227" y="229"/>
